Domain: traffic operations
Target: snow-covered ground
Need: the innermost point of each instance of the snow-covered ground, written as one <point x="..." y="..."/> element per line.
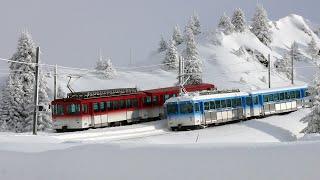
<point x="266" y="148"/>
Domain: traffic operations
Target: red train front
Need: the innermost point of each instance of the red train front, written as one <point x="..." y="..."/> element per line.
<point x="82" y="110"/>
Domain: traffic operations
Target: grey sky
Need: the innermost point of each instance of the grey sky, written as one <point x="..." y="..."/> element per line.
<point x="71" y="32"/>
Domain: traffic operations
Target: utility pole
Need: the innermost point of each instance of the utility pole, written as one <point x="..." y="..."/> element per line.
<point x="269" y="71"/>
<point x="36" y="93"/>
<point x="130" y="57"/>
<point x="55" y="88"/>
<point x="292" y="58"/>
<point x="181" y="73"/>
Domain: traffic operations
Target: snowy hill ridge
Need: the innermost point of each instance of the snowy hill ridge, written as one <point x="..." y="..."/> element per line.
<point x="229" y="61"/>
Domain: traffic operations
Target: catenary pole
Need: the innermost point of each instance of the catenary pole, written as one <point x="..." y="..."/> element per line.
<point x="36" y="93"/>
<point x="55" y="82"/>
<point x="292" y="58"/>
<point x="269" y="71"/>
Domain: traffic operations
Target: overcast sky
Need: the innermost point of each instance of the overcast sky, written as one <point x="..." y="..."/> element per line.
<point x="71" y="32"/>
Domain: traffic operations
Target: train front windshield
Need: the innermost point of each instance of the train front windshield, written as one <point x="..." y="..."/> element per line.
<point x="172" y="108"/>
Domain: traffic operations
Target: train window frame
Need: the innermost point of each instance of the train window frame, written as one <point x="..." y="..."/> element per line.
<point x="169" y="108"/>
<point x="248" y="101"/>
<point x="270" y="97"/>
<point x="276" y="97"/>
<point x="166" y="97"/>
<point x="206" y="105"/>
<point x="122" y="104"/>
<point x="223" y="103"/>
<point x="128" y="103"/>
<point x="292" y="95"/>
<point x="265" y="98"/>
<point x="60" y="109"/>
<point x="218" y="104"/>
<point x="95" y="107"/>
<point x="109" y="105"/>
<point x="234" y="103"/>
<point x="155" y="100"/>
<point x="238" y="102"/>
<point x="84" y="108"/>
<point x="147" y="101"/>
<point x="116" y="105"/>
<point x="196" y="107"/>
<point x="255" y="100"/>
<point x="287" y="95"/>
<point x="135" y="103"/>
<point x="186" y="108"/>
<point x="297" y="94"/>
<point x="281" y="96"/>
<point x="102" y="106"/>
<point x="212" y="105"/>
<point x="228" y="103"/>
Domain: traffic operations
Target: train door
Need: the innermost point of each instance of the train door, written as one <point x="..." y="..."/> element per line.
<point x="248" y="106"/>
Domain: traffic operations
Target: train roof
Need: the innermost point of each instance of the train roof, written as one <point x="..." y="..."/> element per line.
<point x="190" y="97"/>
<point x="288" y="88"/>
<point x="176" y="88"/>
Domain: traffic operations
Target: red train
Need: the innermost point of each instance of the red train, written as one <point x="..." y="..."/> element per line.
<point x="81" y="110"/>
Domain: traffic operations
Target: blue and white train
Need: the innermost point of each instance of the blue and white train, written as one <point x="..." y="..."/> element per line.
<point x="201" y="110"/>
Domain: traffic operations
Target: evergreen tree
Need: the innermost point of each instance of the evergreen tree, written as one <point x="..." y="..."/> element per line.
<point x="196" y="27"/>
<point x="260" y="26"/>
<point x="177" y="36"/>
<point x="313" y="49"/>
<point x="193" y="64"/>
<point x="313" y="118"/>
<point x="163" y="45"/>
<point x="225" y="25"/>
<point x="17" y="108"/>
<point x="106" y="68"/>
<point x="238" y="20"/>
<point x="171" y="59"/>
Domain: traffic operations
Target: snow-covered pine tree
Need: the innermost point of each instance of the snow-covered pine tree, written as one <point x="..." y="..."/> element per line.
<point x="196" y="24"/>
<point x="313" y="49"/>
<point x="171" y="59"/>
<point x="225" y="25"/>
<point x="177" y="36"/>
<point x="106" y="68"/>
<point x="193" y="64"/>
<point x="44" y="120"/>
<point x="163" y="45"/>
<point x="260" y="26"/>
<point x="238" y="20"/>
<point x="313" y="118"/>
<point x="60" y="93"/>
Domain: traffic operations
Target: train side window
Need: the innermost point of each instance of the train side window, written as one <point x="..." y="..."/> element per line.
<point x="218" y="105"/>
<point x="84" y="108"/>
<point x="206" y="106"/>
<point x="223" y="103"/>
<point x="248" y="101"/>
<point x="172" y="108"/>
<point x="270" y="97"/>
<point x="134" y="103"/>
<point x="129" y="103"/>
<point x="196" y="107"/>
<point x="115" y="105"/>
<point x="186" y="108"/>
<point x="234" y="104"/>
<point x="95" y="107"/>
<point x="297" y="94"/>
<point x="60" y="110"/>
<point x="122" y="104"/>
<point x="276" y="97"/>
<point x="102" y="106"/>
<point x="292" y="95"/>
<point x="265" y="98"/>
<point x="212" y="105"/>
<point x="155" y="100"/>
<point x="238" y="101"/>
<point x="255" y="100"/>
<point x="287" y="95"/>
<point x="109" y="105"/>
<point x="281" y="96"/>
<point x="228" y="103"/>
<point x="147" y="100"/>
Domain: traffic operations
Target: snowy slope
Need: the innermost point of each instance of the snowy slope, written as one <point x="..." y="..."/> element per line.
<point x="220" y="63"/>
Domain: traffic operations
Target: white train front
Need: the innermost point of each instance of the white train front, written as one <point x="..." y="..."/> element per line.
<point x="200" y="110"/>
